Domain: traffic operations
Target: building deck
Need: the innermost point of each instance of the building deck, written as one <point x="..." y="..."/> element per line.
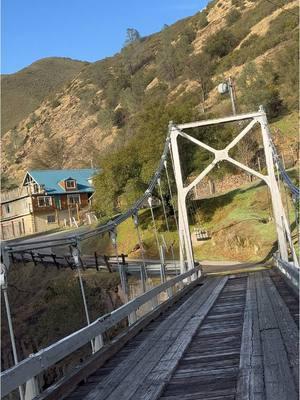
<point x="231" y="337"/>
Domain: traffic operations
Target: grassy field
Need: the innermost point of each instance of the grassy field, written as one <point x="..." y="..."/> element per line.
<point x="288" y="125"/>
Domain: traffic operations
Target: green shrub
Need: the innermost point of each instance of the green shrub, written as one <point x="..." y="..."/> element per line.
<point x="32" y="120"/>
<point x="282" y="28"/>
<point x="92" y="124"/>
<point x="232" y="17"/>
<point x="221" y="43"/>
<point x="55" y="103"/>
<point x="249" y="41"/>
<point x="284" y="22"/>
<point x="105" y="119"/>
<point x="259" y="87"/>
<point x="237" y="3"/>
<point x="119" y="118"/>
<point x="93" y="108"/>
<point x="7" y="183"/>
<point x="201" y="20"/>
<point x="286" y="64"/>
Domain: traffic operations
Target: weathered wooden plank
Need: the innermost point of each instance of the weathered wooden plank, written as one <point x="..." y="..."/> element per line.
<point x="141" y="361"/>
<point x="279" y="382"/>
<point x="196" y="396"/>
<point x="222" y="395"/>
<point x="152" y="328"/>
<point x="159" y="376"/>
<point x="278" y="379"/>
<point x="267" y="319"/>
<point x="287" y="293"/>
<point x="214" y="374"/>
<point x="71" y="380"/>
<point x="250" y="384"/>
<point x="287" y="327"/>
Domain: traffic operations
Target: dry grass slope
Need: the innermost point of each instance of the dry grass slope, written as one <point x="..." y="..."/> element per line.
<point x="23" y="91"/>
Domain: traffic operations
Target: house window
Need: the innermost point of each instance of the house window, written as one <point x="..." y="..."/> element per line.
<point x="74" y="199"/>
<point x="71" y="184"/>
<point x="35" y="188"/>
<point x="44" y="201"/>
<point x="7" y="208"/>
<point x="50" y="219"/>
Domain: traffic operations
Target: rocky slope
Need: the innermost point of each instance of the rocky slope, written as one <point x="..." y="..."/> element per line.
<point x="99" y="107"/>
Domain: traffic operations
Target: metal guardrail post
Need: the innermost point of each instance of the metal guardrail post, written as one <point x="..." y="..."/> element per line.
<point x="3" y="284"/>
<point x="289" y="270"/>
<point x="32" y="389"/>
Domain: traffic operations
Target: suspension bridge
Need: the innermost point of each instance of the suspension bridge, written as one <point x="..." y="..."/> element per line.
<point x="194" y="336"/>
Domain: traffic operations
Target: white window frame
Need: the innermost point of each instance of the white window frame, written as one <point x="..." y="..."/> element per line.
<point x="72" y="196"/>
<point x="52" y="222"/>
<point x="73" y="181"/>
<point x="44" y="200"/>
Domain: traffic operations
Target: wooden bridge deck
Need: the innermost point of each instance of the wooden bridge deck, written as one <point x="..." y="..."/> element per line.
<point x="229" y="338"/>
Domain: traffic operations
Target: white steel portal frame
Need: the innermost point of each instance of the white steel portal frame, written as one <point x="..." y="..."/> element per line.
<point x="281" y="222"/>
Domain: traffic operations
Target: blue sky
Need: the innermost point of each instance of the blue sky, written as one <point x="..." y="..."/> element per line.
<point x="86" y="30"/>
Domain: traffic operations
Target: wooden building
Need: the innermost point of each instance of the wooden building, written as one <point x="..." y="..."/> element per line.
<point x="47" y="199"/>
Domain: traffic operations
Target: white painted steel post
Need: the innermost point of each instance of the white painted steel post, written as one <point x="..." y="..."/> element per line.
<point x="274" y="190"/>
<point x="182" y="210"/>
<point x="31" y="388"/>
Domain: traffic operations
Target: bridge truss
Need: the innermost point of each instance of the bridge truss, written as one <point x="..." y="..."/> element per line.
<point x="26" y="371"/>
<point x="281" y="222"/>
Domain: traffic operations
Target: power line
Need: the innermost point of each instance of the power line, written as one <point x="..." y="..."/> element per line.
<point x="280" y="6"/>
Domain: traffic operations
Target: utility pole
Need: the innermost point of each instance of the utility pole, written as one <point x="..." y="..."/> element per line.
<point x="228" y="87"/>
<point x="232" y="95"/>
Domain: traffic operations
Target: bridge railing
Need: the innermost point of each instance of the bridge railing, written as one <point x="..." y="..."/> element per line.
<point x="26" y="370"/>
<point x="289" y="270"/>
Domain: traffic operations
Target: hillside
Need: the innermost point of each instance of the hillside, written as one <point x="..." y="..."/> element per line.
<point x="23" y="91"/>
<point x="118" y="105"/>
<point x="240" y="224"/>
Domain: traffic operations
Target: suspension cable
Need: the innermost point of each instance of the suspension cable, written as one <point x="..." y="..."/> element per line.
<point x="163" y="203"/>
<point x="294" y="189"/>
<point x="287" y="226"/>
<point x="173" y="206"/>
<point x="166" y="219"/>
<point x="75" y="252"/>
<point x="113" y="237"/>
<point x="171" y="193"/>
<point x="144" y="276"/>
<point x="154" y="223"/>
<point x="156" y="236"/>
